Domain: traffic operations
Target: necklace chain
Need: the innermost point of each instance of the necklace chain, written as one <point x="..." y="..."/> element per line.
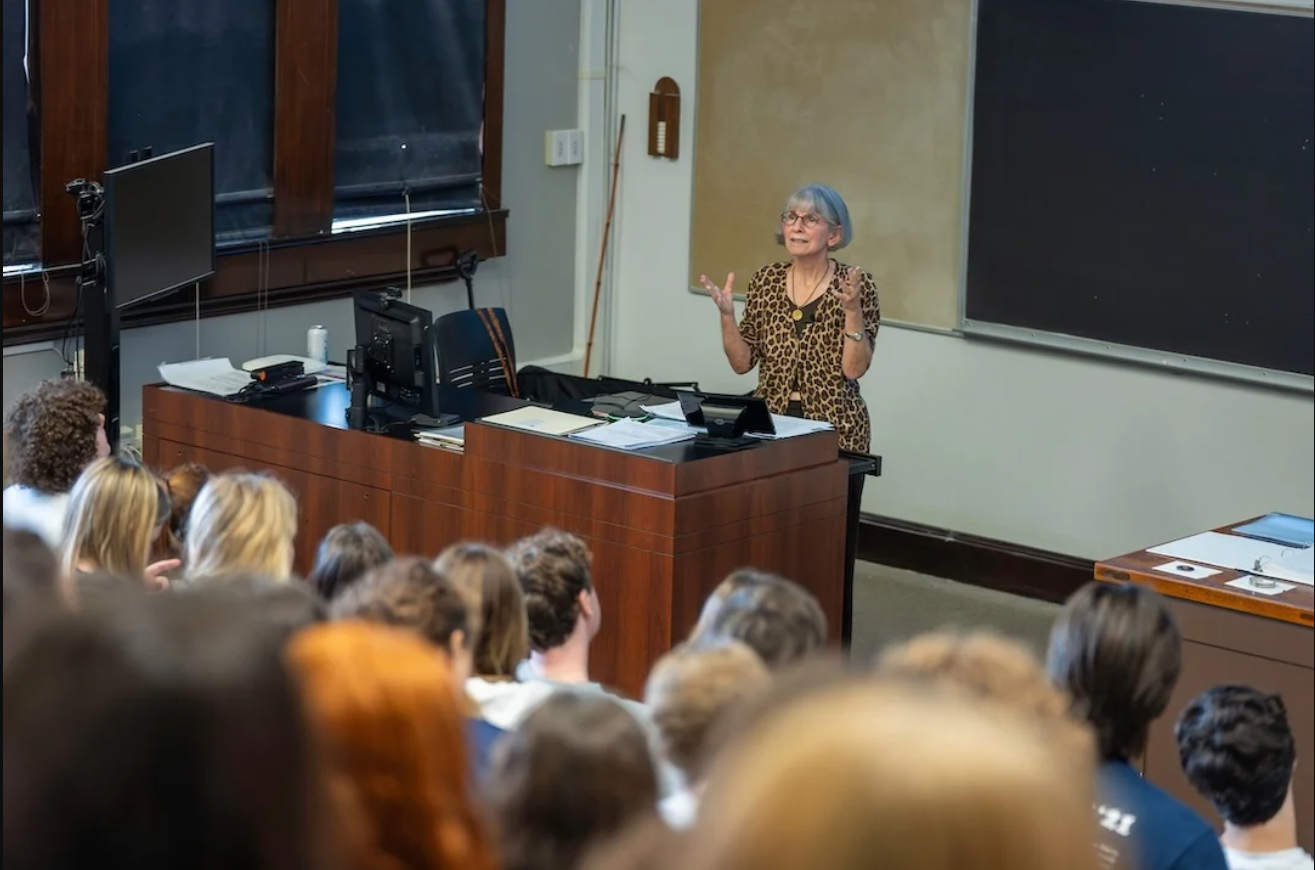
<point x="808" y="299"/>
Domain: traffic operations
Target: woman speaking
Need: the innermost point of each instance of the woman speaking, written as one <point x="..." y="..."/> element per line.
<point x="809" y="323"/>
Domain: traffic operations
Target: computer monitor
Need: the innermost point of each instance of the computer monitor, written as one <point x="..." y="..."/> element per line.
<point x="160" y="224"/>
<point x="395" y="358"/>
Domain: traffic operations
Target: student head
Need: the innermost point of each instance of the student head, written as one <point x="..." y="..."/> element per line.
<point x="486" y="578"/>
<point x="995" y="669"/>
<point x="862" y="774"/>
<point x="1117" y="651"/>
<point x="779" y="620"/>
<point x="157" y="731"/>
<point x="284" y="608"/>
<point x="1237" y="750"/>
<point x="411" y="593"/>
<point x="183" y="484"/>
<point x="54" y="431"/>
<point x="347" y="552"/>
<point x="242" y="523"/>
<point x="577" y="770"/>
<point x="31" y="575"/>
<point x="394" y="740"/>
<point x="115" y="512"/>
<point x="554" y="570"/>
<point x="741" y="578"/>
<point x="691" y="691"/>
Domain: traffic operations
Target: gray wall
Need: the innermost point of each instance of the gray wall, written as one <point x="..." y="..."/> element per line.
<point x="534" y="282"/>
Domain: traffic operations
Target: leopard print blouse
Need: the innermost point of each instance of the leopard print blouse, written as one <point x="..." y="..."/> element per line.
<point x="811" y="357"/>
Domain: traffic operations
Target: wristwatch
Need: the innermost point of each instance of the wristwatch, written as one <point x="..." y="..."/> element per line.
<point x="856" y="336"/>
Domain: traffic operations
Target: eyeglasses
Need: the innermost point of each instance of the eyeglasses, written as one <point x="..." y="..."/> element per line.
<point x="810" y="220"/>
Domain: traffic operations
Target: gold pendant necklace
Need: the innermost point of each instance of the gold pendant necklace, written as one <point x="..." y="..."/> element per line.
<point x="798" y="313"/>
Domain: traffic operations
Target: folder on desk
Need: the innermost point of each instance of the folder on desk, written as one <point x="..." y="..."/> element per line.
<point x="1286" y="529"/>
<point x="545" y="421"/>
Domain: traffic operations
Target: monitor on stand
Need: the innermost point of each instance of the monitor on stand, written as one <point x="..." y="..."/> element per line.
<point x="149" y="231"/>
<point x="393" y="369"/>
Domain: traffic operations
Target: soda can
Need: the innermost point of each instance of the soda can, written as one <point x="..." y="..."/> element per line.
<point x="317" y="344"/>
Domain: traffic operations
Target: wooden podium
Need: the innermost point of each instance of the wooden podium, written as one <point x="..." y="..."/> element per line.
<point x="1232" y="635"/>
<point x="665" y="525"/>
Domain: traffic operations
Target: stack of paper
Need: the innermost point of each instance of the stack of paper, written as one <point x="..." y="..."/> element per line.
<point x="1248" y="555"/>
<point x="666" y="411"/>
<point x="793" y="427"/>
<point x="452" y="438"/>
<point x="631" y="435"/>
<point x="216" y="377"/>
<point x="543" y="420"/>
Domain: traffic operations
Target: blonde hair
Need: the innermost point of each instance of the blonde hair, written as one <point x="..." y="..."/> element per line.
<point x="114" y="510"/>
<point x="241" y="523"/>
<point x="690" y="691"/>
<point x="995" y="668"/>
<point x="886" y="774"/>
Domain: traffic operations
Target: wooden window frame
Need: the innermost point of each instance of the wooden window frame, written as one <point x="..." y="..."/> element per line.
<point x="302" y="261"/>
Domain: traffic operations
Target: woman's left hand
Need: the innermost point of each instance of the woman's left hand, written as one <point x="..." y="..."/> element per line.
<point x="154" y="575"/>
<point x="850" y="289"/>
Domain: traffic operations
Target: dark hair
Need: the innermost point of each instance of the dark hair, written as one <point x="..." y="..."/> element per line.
<point x="407" y="593"/>
<point x="778" y="619"/>
<point x="51" y="430"/>
<point x="1236" y="749"/>
<point x="285" y="606"/>
<point x="1117" y="651"/>
<point x="182" y="485"/>
<point x="31" y="571"/>
<point x="553" y="568"/>
<point x="163" y="731"/>
<point x="347" y="552"/>
<point x="576" y="770"/>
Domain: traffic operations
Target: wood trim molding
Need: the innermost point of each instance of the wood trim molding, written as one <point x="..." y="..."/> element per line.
<point x="495" y="77"/>
<point x="73" y="57"/>
<point x="305" y="115"/>
<point x="971" y="559"/>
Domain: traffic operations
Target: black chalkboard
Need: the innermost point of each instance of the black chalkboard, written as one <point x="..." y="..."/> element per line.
<point x="1142" y="175"/>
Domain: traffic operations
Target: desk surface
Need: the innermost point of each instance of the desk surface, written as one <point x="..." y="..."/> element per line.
<point x="327" y="405"/>
<point x="1297" y="605"/>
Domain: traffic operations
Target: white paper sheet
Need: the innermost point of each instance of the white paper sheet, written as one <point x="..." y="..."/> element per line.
<point x="544" y="420"/>
<point x="1186" y="569"/>
<point x="1249" y="584"/>
<point x="631" y="435"/>
<point x="1222" y="551"/>
<point x="667" y="411"/>
<point x="1295" y="565"/>
<point x="793" y="427"/>
<point x="216" y="377"/>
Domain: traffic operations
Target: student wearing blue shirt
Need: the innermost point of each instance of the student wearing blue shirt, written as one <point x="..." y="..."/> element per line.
<point x="1118" y="652"/>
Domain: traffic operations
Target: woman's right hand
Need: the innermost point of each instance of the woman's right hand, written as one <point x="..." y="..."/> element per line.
<point x="723" y="297"/>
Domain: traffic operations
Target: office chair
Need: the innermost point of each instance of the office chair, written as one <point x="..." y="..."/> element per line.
<point x="476" y="351"/>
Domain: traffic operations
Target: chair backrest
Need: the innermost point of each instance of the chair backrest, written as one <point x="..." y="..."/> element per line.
<point x="468" y="355"/>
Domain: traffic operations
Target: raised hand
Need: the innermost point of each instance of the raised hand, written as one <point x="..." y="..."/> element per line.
<point x="850" y="290"/>
<point x="155" y="572"/>
<point x="723" y="297"/>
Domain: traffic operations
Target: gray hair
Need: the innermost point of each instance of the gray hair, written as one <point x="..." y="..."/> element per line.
<point x="825" y="202"/>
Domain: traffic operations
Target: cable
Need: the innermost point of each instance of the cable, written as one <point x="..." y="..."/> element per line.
<point x="406" y="194"/>
<point x="197" y="297"/>
<point x="22" y="294"/>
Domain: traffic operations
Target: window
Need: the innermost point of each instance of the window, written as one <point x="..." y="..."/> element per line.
<point x="21" y="241"/>
<point x="184" y="72"/>
<point x="410" y="104"/>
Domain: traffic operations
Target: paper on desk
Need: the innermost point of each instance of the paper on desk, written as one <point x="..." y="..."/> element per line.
<point x="1295" y="565"/>
<point x="667" y="411"/>
<point x="793" y="427"/>
<point x="543" y="420"/>
<point x="1249" y="584"/>
<point x="1223" y="551"/>
<point x="632" y="435"/>
<point x="1186" y="569"/>
<point x="216" y="377"/>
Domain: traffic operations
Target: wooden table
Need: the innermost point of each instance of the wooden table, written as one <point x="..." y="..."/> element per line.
<point x="665" y="525"/>
<point x="1232" y="635"/>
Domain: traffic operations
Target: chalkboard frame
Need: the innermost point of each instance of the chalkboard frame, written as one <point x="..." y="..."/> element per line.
<point x="1178" y="363"/>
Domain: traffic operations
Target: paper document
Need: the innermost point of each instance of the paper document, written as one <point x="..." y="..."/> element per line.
<point x="544" y="420"/>
<point x="1260" y="585"/>
<point x="667" y="411"/>
<point x="1228" y="551"/>
<point x="1281" y="529"/>
<point x="631" y="435"/>
<point x="1296" y="566"/>
<point x="451" y="434"/>
<point x="1186" y="569"/>
<point x="217" y="377"/>
<point x="793" y="427"/>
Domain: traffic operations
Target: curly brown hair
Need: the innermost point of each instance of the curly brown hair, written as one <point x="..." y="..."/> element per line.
<point x="553" y="568"/>
<point x="51" y="430"/>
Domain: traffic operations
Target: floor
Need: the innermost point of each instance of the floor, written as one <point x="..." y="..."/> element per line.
<point x="891" y="605"/>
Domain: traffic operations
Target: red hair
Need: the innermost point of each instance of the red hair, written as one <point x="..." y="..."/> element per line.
<point x="387" y="708"/>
